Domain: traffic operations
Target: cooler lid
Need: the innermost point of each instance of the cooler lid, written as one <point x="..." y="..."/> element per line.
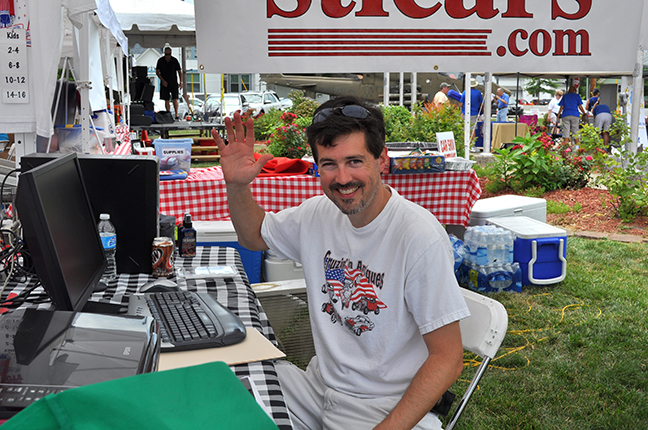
<point x="215" y="231"/>
<point x="506" y="205"/>
<point x="526" y="228"/>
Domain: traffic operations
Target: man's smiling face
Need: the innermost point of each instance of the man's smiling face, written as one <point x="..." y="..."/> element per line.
<point x="350" y="177"/>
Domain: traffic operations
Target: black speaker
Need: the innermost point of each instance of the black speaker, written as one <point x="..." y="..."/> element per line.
<point x="126" y="187"/>
<point x="140" y="72"/>
<point x="147" y="93"/>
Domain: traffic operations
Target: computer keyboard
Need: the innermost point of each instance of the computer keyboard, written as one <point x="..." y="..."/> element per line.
<point x="16" y="397"/>
<point x="189" y="320"/>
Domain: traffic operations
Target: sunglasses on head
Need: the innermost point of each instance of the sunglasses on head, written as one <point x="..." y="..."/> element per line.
<point x="350" y="111"/>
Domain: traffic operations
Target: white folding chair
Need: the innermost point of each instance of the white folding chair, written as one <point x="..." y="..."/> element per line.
<point x="482" y="333"/>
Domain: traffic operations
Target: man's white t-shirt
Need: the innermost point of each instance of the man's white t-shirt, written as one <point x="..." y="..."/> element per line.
<point x="372" y="291"/>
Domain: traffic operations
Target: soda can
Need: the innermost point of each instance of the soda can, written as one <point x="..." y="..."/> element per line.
<point x="162" y="256"/>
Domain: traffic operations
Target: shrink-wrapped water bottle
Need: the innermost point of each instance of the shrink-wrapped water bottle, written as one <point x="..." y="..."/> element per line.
<point x="108" y="236"/>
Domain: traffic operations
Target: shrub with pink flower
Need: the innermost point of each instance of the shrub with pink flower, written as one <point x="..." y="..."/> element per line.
<point x="288" y="139"/>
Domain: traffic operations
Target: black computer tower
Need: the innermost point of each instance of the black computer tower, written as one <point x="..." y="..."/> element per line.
<point x="127" y="188"/>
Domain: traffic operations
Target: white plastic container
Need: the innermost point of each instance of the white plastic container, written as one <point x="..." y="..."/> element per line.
<point x="280" y="270"/>
<point x="222" y="233"/>
<point x="507" y="206"/>
<point x="540" y="248"/>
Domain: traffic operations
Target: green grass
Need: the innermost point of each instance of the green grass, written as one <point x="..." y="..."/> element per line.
<point x="554" y="207"/>
<point x="574" y="356"/>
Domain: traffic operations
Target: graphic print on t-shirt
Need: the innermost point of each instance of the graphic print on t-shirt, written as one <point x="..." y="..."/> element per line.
<point x="351" y="293"/>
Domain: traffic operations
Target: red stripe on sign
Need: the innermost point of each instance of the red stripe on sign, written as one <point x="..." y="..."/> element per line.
<point x="318" y="42"/>
<point x="374" y="30"/>
<point x="365" y="54"/>
<point x="385" y="37"/>
<point x="369" y="47"/>
<point x="383" y="42"/>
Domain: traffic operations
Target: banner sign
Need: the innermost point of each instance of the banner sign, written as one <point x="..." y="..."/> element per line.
<point x="498" y="36"/>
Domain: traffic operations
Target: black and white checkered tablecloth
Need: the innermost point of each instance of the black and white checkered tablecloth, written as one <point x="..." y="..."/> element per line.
<point x="235" y="293"/>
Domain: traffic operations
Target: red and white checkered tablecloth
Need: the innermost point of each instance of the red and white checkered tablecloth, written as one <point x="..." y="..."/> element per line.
<point x="450" y="196"/>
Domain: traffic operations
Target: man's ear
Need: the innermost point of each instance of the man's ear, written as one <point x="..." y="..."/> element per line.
<point x="384" y="160"/>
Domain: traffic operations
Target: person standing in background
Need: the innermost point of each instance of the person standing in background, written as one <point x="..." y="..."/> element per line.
<point x="441" y="97"/>
<point x="502" y="105"/>
<point x="166" y="69"/>
<point x="570" y="104"/>
<point x="553" y="108"/>
<point x="603" y="119"/>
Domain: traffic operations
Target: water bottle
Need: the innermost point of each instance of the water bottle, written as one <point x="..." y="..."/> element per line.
<point x="483" y="239"/>
<point x="108" y="236"/>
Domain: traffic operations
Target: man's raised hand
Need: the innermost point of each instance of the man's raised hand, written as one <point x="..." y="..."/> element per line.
<point x="237" y="157"/>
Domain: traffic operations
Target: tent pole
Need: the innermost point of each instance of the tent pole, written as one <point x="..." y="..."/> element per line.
<point x="637" y="84"/>
<point x="414" y="81"/>
<point x="184" y="73"/>
<point x="516" y="111"/>
<point x="467" y="92"/>
<point x="386" y="89"/>
<point x="488" y="103"/>
<point x="84" y="82"/>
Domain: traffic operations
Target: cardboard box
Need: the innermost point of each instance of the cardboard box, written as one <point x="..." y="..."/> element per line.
<point x="541" y="249"/>
<point x="415" y="163"/>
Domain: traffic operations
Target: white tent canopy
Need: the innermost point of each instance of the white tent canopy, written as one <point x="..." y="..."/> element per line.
<point x="45" y="21"/>
<point x="155" y="23"/>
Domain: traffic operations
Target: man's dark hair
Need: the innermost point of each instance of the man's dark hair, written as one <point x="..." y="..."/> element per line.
<point x="326" y="131"/>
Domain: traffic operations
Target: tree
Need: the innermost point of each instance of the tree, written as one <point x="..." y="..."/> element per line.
<point x="536" y="86"/>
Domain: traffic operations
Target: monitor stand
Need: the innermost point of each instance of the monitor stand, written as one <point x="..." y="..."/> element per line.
<point x="100" y="287"/>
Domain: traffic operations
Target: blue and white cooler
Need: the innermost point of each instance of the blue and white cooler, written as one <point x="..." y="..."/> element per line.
<point x="222" y="233"/>
<point x="539" y="248"/>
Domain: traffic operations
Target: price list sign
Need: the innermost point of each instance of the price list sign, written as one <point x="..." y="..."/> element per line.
<point x="13" y="65"/>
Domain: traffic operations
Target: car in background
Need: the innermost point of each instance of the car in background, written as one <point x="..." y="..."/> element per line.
<point x="525" y="102"/>
<point x="183" y="107"/>
<point x="212" y="108"/>
<point x="286" y="103"/>
<point x="232" y="102"/>
<point x="262" y="101"/>
<point x="197" y="107"/>
<point x="515" y="110"/>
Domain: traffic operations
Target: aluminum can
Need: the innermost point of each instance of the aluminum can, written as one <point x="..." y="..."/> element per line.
<point x="162" y="257"/>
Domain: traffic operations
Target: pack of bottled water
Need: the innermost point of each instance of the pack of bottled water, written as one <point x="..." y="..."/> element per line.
<point x="459" y="251"/>
<point x="488" y="264"/>
<point x="489" y="244"/>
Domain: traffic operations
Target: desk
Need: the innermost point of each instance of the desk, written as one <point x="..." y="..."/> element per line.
<point x="501" y="132"/>
<point x="450" y="195"/>
<point x="504" y="132"/>
<point x="164" y="129"/>
<point x="235" y="293"/>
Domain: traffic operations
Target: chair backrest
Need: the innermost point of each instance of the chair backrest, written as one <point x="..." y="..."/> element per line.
<point x="482" y="333"/>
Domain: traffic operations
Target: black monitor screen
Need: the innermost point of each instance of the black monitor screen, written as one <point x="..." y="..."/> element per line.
<point x="60" y="231"/>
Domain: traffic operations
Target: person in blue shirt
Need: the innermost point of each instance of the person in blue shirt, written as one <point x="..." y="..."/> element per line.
<point x="476" y="105"/>
<point x="603" y="119"/>
<point x="570" y="104"/>
<point x="476" y="101"/>
<point x="502" y="105"/>
<point x="589" y="106"/>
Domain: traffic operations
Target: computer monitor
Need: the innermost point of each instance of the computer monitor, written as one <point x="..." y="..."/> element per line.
<point x="128" y="188"/>
<point x="60" y="231"/>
